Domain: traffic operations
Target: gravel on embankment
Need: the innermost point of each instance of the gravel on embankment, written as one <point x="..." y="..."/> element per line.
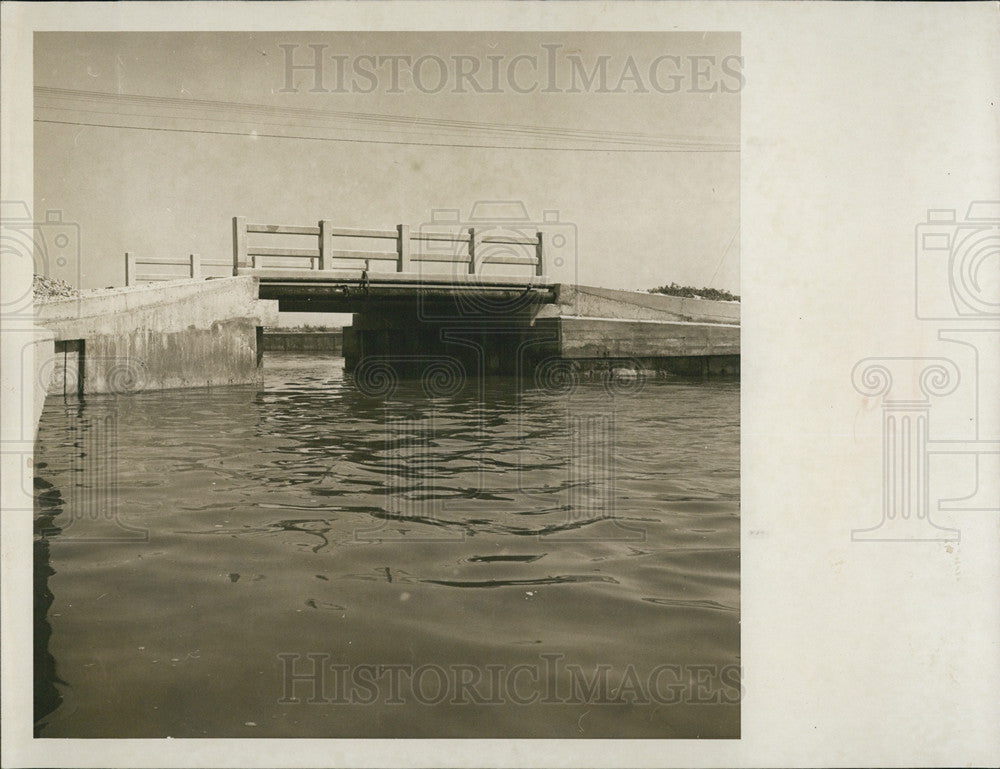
<point x="52" y="288"/>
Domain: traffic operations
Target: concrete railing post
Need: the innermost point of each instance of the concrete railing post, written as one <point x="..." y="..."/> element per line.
<point x="130" y="265"/>
<point x="325" y="243"/>
<point x="539" y="264"/>
<point x="239" y="243"/>
<point x="473" y="249"/>
<point x="195" y="260"/>
<point x="402" y="247"/>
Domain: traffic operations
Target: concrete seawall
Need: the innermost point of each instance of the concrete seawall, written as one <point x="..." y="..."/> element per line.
<point x="278" y="340"/>
<point x="191" y="333"/>
<point x="593" y="302"/>
<point x="675" y="347"/>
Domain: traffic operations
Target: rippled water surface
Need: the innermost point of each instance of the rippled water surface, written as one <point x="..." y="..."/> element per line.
<point x="507" y="560"/>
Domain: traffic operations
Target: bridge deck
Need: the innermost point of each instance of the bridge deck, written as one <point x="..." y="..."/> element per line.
<point x="413" y="277"/>
<point x="345" y="290"/>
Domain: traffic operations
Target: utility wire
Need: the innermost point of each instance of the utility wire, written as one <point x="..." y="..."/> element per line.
<point x="725" y="251"/>
<point x="344" y="128"/>
<point x="467" y="127"/>
<point x="372" y="141"/>
<point x="298" y="112"/>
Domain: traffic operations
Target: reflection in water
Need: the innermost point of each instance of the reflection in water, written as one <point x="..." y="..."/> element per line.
<point x="508" y="582"/>
<point x="227" y="527"/>
<point x="46" y="695"/>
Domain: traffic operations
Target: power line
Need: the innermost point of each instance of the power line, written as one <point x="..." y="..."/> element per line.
<point x="374" y="141"/>
<point x="724" y="252"/>
<point x="464" y="127"/>
<point x="333" y="128"/>
<point x="298" y="112"/>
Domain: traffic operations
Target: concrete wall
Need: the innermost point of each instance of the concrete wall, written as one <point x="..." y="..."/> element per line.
<point x="592" y="302"/>
<point x="43" y="353"/>
<point x="190" y="333"/>
<point x="303" y="341"/>
<point x="602" y="338"/>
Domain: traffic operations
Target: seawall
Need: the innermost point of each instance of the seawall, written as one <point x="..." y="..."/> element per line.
<point x="190" y="333"/>
<point x="594" y="302"/>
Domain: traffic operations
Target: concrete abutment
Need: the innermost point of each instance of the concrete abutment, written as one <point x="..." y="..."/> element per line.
<point x="180" y="334"/>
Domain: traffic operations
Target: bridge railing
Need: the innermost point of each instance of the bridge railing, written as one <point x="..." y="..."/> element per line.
<point x="136" y="268"/>
<point x="471" y="251"/>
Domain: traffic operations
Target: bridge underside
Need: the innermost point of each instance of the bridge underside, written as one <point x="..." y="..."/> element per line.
<point x="475" y="323"/>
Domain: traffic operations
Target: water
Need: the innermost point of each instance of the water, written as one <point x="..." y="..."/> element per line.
<point x="508" y="560"/>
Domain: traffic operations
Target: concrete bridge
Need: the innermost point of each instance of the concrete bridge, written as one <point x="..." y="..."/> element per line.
<point x="479" y="301"/>
<point x="480" y="297"/>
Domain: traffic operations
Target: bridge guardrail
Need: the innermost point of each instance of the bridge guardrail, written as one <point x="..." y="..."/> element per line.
<point x="246" y="255"/>
<point x="195" y="268"/>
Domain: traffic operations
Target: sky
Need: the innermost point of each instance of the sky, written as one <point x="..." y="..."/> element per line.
<point x="152" y="142"/>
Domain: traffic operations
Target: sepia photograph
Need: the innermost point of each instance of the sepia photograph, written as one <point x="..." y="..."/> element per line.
<point x="487" y="384"/>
